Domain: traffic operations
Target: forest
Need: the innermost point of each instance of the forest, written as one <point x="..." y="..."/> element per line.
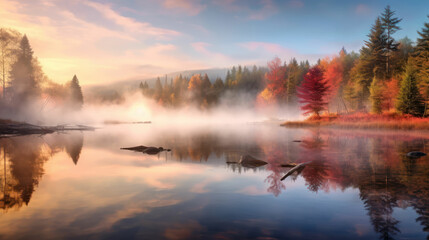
<point x="387" y="75"/>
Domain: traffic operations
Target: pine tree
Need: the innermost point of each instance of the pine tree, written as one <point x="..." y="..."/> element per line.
<point x="76" y="96"/>
<point x="390" y="24"/>
<point x="313" y="91"/>
<point x="372" y="57"/>
<point x="409" y="100"/>
<point x="23" y="82"/>
<point x="420" y="61"/>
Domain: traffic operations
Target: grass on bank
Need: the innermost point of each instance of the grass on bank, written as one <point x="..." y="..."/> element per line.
<point x="364" y="121"/>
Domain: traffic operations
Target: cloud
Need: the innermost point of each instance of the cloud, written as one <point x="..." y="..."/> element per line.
<point x="211" y="57"/>
<point x="362" y="9"/>
<point x="268" y="9"/>
<point x="272" y="48"/>
<point x="130" y="24"/>
<point x="262" y="9"/>
<point x="192" y="7"/>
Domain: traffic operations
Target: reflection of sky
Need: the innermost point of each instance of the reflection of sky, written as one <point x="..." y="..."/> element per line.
<point x="114" y="40"/>
<point x="110" y="194"/>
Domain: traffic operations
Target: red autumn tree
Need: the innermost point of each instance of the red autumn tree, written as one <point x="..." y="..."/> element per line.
<point x="276" y="78"/>
<point x="313" y="91"/>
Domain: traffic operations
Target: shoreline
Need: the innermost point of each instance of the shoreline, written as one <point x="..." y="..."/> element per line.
<point x="370" y="125"/>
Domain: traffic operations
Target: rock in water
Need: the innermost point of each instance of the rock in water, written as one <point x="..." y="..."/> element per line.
<point x="154" y="150"/>
<point x="140" y="148"/>
<point x="251" y="162"/>
<point x="416" y="154"/>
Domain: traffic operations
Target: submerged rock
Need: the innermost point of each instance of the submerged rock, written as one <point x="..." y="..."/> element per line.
<point x="416" y="154"/>
<point x="251" y="162"/>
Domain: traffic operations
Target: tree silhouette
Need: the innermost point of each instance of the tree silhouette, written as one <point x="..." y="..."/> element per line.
<point x="23" y="81"/>
<point x="75" y="95"/>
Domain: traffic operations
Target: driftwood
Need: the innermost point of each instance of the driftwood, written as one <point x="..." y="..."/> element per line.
<point x="288" y="165"/>
<point x="147" y="150"/>
<point x="297" y="168"/>
<point x="16" y="129"/>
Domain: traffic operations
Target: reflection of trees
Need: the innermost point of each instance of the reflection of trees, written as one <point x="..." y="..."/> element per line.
<point x="386" y="179"/>
<point x="22" y="164"/>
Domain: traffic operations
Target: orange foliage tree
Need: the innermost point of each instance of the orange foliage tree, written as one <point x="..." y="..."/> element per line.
<point x="276" y="82"/>
<point x="333" y="74"/>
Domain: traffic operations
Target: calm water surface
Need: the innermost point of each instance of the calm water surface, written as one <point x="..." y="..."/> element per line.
<point x="358" y="184"/>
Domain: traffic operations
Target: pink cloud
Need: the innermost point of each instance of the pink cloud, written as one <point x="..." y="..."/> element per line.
<point x="362" y="9"/>
<point x="192" y="7"/>
<point x="130" y="24"/>
<point x="272" y="48"/>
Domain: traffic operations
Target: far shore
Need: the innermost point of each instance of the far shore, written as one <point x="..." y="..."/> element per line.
<point x="391" y="121"/>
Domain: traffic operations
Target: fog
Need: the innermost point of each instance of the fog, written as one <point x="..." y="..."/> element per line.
<point x="138" y="109"/>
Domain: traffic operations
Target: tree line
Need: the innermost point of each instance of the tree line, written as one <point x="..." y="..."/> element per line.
<point x="23" y="81"/>
<point x="385" y="75"/>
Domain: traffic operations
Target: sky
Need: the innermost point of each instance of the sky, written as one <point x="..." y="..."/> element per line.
<point x="113" y="40"/>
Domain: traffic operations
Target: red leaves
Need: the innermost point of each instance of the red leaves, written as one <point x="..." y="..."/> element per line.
<point x="313" y="91"/>
<point x="333" y="74"/>
<point x="276" y="78"/>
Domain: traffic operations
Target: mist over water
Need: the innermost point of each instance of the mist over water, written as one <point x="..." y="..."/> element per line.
<point x="135" y="108"/>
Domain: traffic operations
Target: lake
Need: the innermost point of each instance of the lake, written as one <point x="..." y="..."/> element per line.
<point x="356" y="184"/>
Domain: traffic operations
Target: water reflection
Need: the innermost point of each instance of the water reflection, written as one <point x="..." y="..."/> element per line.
<point x="23" y="159"/>
<point x="191" y="192"/>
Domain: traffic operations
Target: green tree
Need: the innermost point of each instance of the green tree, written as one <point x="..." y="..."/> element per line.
<point x="390" y="24"/>
<point x="371" y="61"/>
<point x="420" y="61"/>
<point x="409" y="100"/>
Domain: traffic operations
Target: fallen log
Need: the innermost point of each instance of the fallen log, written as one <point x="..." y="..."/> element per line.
<point x="288" y="165"/>
<point x="298" y="167"/>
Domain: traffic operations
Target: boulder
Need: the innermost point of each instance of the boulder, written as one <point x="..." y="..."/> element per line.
<point x="251" y="162"/>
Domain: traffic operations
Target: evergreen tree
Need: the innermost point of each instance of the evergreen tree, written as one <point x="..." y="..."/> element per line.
<point x="390" y="24"/>
<point x="420" y="61"/>
<point x="409" y="100"/>
<point x="372" y="57"/>
<point x="23" y="82"/>
<point x="76" y="96"/>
